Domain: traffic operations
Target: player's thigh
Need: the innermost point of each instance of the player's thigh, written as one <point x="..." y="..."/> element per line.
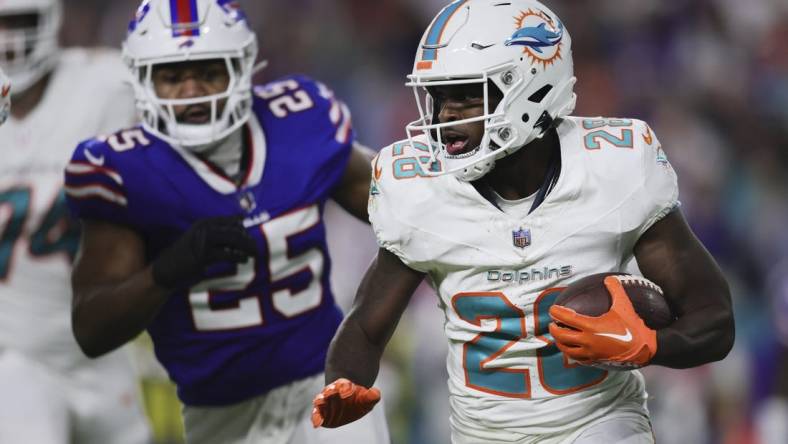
<point x="33" y="408"/>
<point x="104" y="396"/>
<point x="629" y="429"/>
<point x="372" y="428"/>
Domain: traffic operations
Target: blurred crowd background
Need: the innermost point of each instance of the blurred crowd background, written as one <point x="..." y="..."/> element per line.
<point x="710" y="76"/>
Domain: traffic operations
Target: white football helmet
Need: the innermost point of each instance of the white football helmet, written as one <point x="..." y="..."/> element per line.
<point x="5" y="97"/>
<point x="519" y="46"/>
<point x="27" y="54"/>
<point x="166" y="31"/>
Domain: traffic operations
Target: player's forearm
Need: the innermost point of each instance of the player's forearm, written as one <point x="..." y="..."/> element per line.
<point x="696" y="338"/>
<point x="382" y="297"/>
<point x="106" y="316"/>
<point x="353" y="355"/>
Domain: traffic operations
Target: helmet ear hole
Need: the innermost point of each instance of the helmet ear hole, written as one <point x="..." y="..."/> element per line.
<point x="526" y="118"/>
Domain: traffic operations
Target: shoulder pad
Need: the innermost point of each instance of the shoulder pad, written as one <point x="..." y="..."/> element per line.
<point x="399" y="194"/>
<point x="94" y="169"/>
<point x="300" y="96"/>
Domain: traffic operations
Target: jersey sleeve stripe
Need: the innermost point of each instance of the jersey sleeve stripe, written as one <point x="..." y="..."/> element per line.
<point x="96" y="191"/>
<point x="337" y="111"/>
<point x="87" y="179"/>
<point x="345" y="126"/>
<point x="81" y="168"/>
<point x="334" y="113"/>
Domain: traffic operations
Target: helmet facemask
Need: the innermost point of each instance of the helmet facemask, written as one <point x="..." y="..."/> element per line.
<point x="28" y="48"/>
<point x="429" y="124"/>
<point x="159" y="112"/>
<point x="500" y="137"/>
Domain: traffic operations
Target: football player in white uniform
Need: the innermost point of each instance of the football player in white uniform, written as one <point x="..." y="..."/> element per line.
<point x="52" y="393"/>
<point x="501" y="199"/>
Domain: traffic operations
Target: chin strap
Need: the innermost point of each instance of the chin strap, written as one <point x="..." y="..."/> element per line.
<point x="551" y="178"/>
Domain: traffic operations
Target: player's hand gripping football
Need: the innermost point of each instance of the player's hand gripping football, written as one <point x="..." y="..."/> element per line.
<point x="209" y="241"/>
<point x="618" y="338"/>
<point x="342" y="402"/>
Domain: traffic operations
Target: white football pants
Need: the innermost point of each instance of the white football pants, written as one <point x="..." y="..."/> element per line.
<point x="95" y="404"/>
<point x="281" y="416"/>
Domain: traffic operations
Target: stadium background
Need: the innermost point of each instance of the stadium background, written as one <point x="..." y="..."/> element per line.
<point x="711" y="76"/>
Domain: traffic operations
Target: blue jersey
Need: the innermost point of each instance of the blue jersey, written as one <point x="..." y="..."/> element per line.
<point x="249" y="328"/>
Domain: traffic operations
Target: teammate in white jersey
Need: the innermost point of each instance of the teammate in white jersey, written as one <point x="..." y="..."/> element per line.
<point x="567" y="197"/>
<point x="52" y="393"/>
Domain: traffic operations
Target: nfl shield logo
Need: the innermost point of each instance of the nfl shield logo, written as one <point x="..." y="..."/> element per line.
<point x="247" y="202"/>
<point x="521" y="238"/>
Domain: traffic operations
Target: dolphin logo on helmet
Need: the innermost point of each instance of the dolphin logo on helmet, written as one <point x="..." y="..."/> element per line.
<point x="536" y="37"/>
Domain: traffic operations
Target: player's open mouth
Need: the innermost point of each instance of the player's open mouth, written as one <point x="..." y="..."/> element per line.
<point x="456" y="142"/>
<point x="196" y="115"/>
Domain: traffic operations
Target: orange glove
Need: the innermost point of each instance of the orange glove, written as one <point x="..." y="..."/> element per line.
<point x="617" y="339"/>
<point x="342" y="402"/>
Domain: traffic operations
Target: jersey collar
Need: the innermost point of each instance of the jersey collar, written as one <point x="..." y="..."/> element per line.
<point x="215" y="178"/>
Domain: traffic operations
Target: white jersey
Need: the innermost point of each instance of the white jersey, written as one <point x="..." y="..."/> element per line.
<point x="497" y="274"/>
<point x="86" y="95"/>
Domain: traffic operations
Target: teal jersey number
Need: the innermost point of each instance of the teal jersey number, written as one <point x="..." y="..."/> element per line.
<point x="17" y="200"/>
<point x="556" y="375"/>
<point x="477" y="353"/>
<point x="57" y="233"/>
<point x="413" y="166"/>
<point x="593" y="138"/>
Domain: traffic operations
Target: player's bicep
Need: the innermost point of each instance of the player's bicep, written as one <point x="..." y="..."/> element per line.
<point x="108" y="254"/>
<point x="352" y="193"/>
<point x="383" y="295"/>
<point x="669" y="254"/>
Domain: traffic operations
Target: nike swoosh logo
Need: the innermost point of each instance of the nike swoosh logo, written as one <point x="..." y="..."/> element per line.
<point x="647" y="137"/>
<point x="98" y="161"/>
<point x="479" y="46"/>
<point x="623" y="338"/>
<point x="6" y="90"/>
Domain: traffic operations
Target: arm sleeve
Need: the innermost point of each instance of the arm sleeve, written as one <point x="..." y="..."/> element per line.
<point x="329" y="122"/>
<point x="389" y="208"/>
<point x="94" y="187"/>
<point x="660" y="191"/>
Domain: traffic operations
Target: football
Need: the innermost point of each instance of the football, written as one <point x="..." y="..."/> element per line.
<point x="589" y="296"/>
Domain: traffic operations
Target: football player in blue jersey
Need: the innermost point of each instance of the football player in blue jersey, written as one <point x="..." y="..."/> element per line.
<point x="204" y="226"/>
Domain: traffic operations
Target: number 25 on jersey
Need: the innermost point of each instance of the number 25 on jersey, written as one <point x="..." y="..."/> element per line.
<point x="295" y="269"/>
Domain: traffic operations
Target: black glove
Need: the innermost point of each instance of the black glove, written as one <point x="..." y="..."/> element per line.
<point x="207" y="242"/>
